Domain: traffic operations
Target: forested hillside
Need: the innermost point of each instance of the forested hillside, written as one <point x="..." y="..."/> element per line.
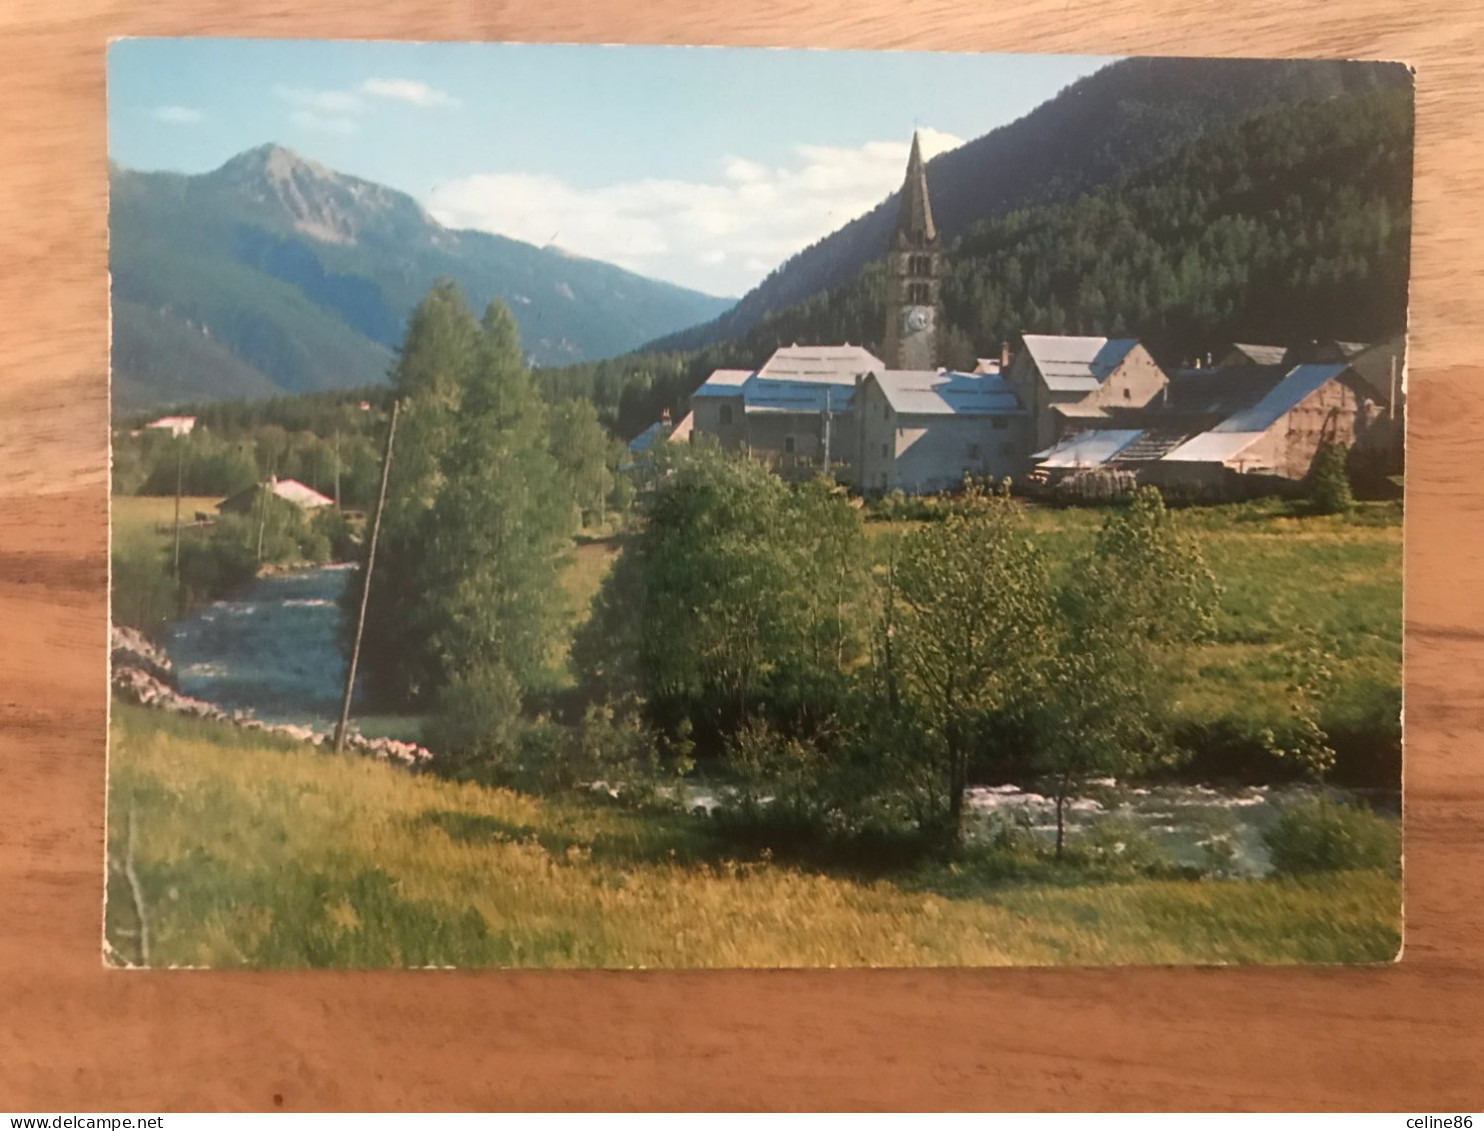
<point x="1103" y="129"/>
<point x="1289" y="225"/>
<point x="275" y="274"/>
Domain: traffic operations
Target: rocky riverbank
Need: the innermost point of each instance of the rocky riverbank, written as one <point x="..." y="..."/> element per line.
<point x="141" y="673"/>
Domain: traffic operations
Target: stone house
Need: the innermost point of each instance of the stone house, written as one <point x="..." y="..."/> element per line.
<point x="1067" y="384"/>
<point x="795" y="413"/>
<point x="925" y="431"/>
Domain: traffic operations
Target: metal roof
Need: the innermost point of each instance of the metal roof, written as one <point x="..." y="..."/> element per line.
<point x="724" y="383"/>
<point x="1088" y="449"/>
<point x="290" y="490"/>
<point x="1260" y="355"/>
<point x="835" y="365"/>
<point x="766" y="394"/>
<point x="1282" y="398"/>
<point x="1079" y="411"/>
<point x="1221" y="391"/>
<point x="931" y="392"/>
<point x="179" y="425"/>
<point x="300" y="494"/>
<point x="1212" y="447"/>
<point x="1076" y="364"/>
<point x="648" y="438"/>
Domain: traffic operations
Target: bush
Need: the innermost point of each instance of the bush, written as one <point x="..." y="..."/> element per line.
<point x="331" y="524"/>
<point x="477" y="718"/>
<point x="1322" y="835"/>
<point x="144" y="595"/>
<point x="215" y="566"/>
<point x="898" y="506"/>
<point x="1329" y="487"/>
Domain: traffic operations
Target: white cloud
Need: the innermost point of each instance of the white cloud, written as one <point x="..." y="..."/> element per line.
<point x="338" y="102"/>
<point x="340" y="111"/>
<point x="720" y="235"/>
<point x="410" y="91"/>
<point x="316" y="122"/>
<point x="177" y="115"/>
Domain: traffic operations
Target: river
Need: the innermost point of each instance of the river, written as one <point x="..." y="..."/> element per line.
<point x="274" y="649"/>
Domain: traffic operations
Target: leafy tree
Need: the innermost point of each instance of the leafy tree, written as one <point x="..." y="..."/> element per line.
<point x="464" y="606"/>
<point x="968" y="621"/>
<point x="736" y="595"/>
<point x="1124" y="620"/>
<point x="587" y="457"/>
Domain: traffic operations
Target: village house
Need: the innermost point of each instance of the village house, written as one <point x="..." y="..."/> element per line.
<point x="926" y="431"/>
<point x="1068" y="384"/>
<point x="796" y="413"/>
<point x="289" y="490"/>
<point x="175" y="425"/>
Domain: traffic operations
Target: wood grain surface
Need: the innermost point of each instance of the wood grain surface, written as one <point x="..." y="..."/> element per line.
<point x="77" y="1037"/>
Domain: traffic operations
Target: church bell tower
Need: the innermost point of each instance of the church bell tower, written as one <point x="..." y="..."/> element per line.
<point x="912" y="276"/>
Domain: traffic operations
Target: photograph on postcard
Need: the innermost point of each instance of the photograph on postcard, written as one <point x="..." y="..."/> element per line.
<point x="583" y="506"/>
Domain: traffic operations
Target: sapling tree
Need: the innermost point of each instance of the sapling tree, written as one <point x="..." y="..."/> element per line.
<point x="1329" y="488"/>
<point x="1123" y="623"/>
<point x="969" y="625"/>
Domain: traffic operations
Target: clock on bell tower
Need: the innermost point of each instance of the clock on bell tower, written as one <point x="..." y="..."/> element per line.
<point x="912" y="269"/>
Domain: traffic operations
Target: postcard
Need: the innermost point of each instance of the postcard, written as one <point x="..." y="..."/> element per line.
<point x="619" y="507"/>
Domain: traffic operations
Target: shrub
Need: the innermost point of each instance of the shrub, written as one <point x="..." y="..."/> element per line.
<point x="1329" y="487"/>
<point x="144" y="595"/>
<point x="1322" y="835"/>
<point x="613" y="744"/>
<point x="212" y="567"/>
<point x="477" y="717"/>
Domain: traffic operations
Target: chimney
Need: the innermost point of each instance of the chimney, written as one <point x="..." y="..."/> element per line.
<point x="1004" y="357"/>
<point x="665" y="417"/>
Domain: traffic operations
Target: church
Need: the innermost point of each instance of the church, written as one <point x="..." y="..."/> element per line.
<point x="1065" y="408"/>
<point x="879" y="424"/>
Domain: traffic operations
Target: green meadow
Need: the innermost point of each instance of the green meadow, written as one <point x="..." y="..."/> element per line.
<point x="1285" y="575"/>
<point x="249" y="853"/>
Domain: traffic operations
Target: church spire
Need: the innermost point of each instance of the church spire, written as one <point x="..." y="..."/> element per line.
<point x="912" y="275"/>
<point x="915" y="216"/>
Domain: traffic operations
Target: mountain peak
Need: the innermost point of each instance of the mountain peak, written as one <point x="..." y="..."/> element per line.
<point x="319" y="202"/>
<point x="272" y="160"/>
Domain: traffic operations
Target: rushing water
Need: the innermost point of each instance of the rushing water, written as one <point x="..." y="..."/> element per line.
<point x="274" y="649"/>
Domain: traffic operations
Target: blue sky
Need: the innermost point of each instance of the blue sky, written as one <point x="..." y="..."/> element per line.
<point x="704" y="166"/>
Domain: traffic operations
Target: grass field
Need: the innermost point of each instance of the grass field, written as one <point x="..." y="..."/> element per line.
<point x="1281" y="574"/>
<point x="139" y="516"/>
<point x="249" y="854"/>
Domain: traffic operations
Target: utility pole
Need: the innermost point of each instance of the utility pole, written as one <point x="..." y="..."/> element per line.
<point x="826" y="430"/>
<point x="179" y="476"/>
<point x="337" y="470"/>
<point x="263" y="491"/>
<point x="355" y="650"/>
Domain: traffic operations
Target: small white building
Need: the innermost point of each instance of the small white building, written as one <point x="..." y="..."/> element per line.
<point x="175" y="425"/>
<point x="304" y="497"/>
